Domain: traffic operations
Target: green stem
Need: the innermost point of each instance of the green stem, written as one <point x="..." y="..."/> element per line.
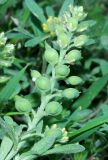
<point x="53" y="79"/>
<point x="40" y="113"/>
<point x="62" y="54"/>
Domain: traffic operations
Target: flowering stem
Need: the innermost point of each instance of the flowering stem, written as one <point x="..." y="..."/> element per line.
<point x="62" y="54"/>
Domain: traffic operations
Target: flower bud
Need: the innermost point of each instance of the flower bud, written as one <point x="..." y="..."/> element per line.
<point x="82" y="26"/>
<point x="80" y="40"/>
<point x="74" y="80"/>
<point x="9" y="48"/>
<point x="43" y="84"/>
<point x="35" y="74"/>
<point x="72" y="24"/>
<point x="59" y="28"/>
<point x="63" y="40"/>
<point x="51" y="56"/>
<point x="53" y="108"/>
<point x="62" y="71"/>
<point x="22" y="104"/>
<point x="55" y="132"/>
<point x="45" y="27"/>
<point x="72" y="56"/>
<point x="3" y="39"/>
<point x="70" y="93"/>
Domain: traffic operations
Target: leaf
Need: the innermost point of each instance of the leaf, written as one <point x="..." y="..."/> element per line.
<point x="81" y="155"/>
<point x="2" y="1"/>
<point x="40" y="147"/>
<point x="39" y="127"/>
<point x="12" y="113"/>
<point x="23" y="31"/>
<point x="79" y="114"/>
<point x="90" y="125"/>
<point x="36" y="10"/>
<point x="66" y="149"/>
<point x="104" y="41"/>
<point x="50" y="11"/>
<point x="86" y="99"/>
<point x="16" y="36"/>
<point x="104" y="108"/>
<point x="104" y="67"/>
<point x="10" y="87"/>
<point x="43" y="145"/>
<point x="34" y="41"/>
<point x="7" y="126"/>
<point x="85" y="135"/>
<point x="65" y="6"/>
<point x="6" y="146"/>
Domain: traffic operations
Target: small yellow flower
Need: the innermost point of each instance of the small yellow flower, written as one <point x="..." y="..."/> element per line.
<point x="45" y="27"/>
<point x="50" y="19"/>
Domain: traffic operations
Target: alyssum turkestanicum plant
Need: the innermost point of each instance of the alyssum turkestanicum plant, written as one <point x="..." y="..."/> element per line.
<point x="35" y="138"/>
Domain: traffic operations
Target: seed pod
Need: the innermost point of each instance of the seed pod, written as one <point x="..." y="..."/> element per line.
<point x="35" y="74"/>
<point x="22" y="104"/>
<point x="72" y="56"/>
<point x="80" y="40"/>
<point x="74" y="80"/>
<point x="43" y="84"/>
<point x="51" y="56"/>
<point x="63" y="40"/>
<point x="70" y="93"/>
<point x="53" y="108"/>
<point x="62" y="71"/>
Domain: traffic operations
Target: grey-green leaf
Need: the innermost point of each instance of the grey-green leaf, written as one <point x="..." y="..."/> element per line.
<point x="43" y="145"/>
<point x="5" y="147"/>
<point x="66" y="149"/>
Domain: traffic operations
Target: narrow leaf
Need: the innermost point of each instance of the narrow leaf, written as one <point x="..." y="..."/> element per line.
<point x="65" y="6"/>
<point x="50" y="11"/>
<point x="90" y="125"/>
<point x="85" y="100"/>
<point x="43" y="145"/>
<point x="10" y="87"/>
<point x="36" y="10"/>
<point x="66" y="149"/>
<point x="85" y="135"/>
<point x="6" y="146"/>
<point x="34" y="41"/>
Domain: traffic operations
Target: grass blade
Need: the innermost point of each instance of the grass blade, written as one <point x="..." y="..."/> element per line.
<point x="90" y="125"/>
<point x="85" y="100"/>
<point x="9" y="89"/>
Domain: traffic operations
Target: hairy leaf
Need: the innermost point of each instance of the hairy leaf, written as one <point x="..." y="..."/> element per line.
<point x="66" y="149"/>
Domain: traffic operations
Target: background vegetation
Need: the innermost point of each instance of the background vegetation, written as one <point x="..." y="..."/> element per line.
<point x="86" y="117"/>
